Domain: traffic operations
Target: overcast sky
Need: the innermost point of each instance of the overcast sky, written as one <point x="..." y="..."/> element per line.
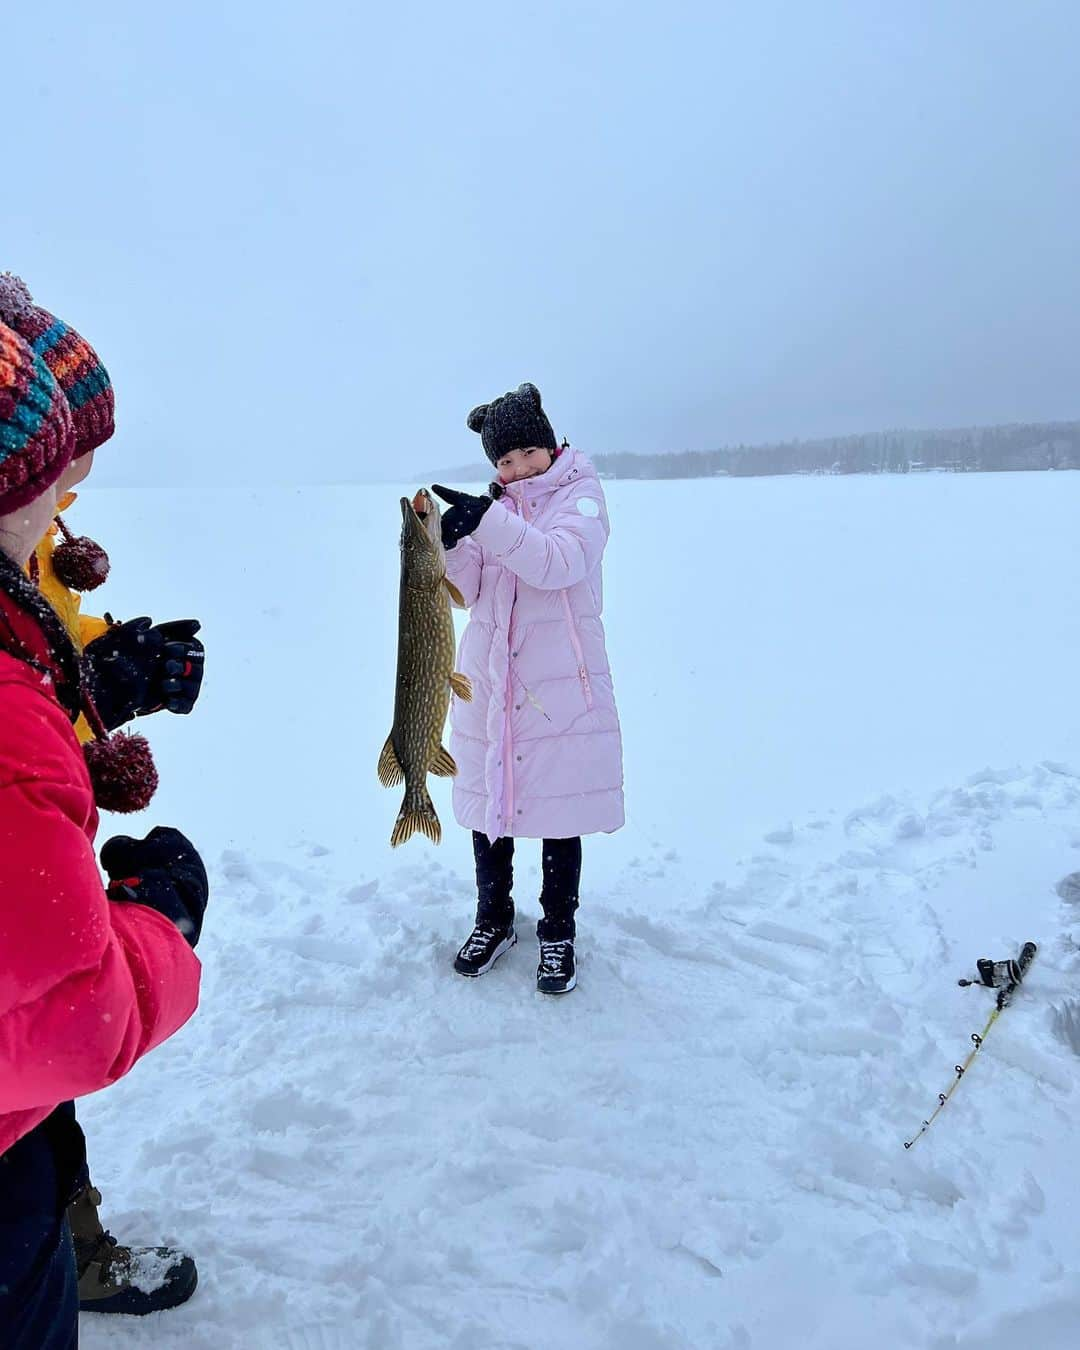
<point x="308" y="237"/>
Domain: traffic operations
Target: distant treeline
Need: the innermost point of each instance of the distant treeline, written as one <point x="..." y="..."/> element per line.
<point x="1041" y="445"/>
<point x="1037" y="445"/>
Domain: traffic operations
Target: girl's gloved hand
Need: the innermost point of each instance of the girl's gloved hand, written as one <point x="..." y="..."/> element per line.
<point x="466" y="512"/>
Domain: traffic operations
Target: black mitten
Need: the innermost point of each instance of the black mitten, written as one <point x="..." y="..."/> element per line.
<point x="163" y="871"/>
<point x="466" y="512"/>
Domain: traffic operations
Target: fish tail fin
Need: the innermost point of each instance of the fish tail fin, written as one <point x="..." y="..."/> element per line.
<point x="417" y="813"/>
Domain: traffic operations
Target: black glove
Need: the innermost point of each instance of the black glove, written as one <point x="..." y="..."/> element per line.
<point x="466" y="512"/>
<point x="182" y="660"/>
<point x="163" y="871"/>
<point x="139" y="667"/>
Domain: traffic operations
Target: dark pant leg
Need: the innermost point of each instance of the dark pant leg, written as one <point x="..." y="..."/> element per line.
<point x="494" y="880"/>
<point x="39" y="1299"/>
<point x="559" y="897"/>
<point x="68" y="1144"/>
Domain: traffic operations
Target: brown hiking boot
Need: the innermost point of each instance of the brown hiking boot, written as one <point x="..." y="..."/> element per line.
<point x="116" y="1279"/>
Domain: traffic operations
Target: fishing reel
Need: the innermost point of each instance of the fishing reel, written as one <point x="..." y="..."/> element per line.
<point x="995" y="974"/>
<point x="1002" y="974"/>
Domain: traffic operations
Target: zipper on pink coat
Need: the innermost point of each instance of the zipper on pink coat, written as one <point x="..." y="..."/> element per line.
<point x="508" y="735"/>
<point x="579" y="654"/>
<point x="508" y="755"/>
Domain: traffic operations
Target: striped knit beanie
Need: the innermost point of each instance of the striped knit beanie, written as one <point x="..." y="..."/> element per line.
<point x="74" y="363"/>
<point x="36" y="434"/>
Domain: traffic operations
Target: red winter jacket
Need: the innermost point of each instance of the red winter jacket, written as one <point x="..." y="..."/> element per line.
<point x="87" y="985"/>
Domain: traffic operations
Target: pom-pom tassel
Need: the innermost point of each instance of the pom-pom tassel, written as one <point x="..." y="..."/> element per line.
<point x="79" y="563"/>
<point x="15" y="297"/>
<point x="121" y="766"/>
<point x="122" y="772"/>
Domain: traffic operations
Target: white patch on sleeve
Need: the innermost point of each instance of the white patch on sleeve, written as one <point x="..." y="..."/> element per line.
<point x="588" y="506"/>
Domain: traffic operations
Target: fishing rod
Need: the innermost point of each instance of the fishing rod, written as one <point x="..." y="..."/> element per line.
<point x="1004" y="976"/>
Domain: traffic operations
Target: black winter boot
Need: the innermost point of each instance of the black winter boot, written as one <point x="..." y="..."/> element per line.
<point x="493" y="932"/>
<point x="556" y="973"/>
<point x="483" y="947"/>
<point x="116" y="1279"/>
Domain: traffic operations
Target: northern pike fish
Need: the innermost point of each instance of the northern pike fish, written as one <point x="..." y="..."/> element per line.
<point x="425" y="671"/>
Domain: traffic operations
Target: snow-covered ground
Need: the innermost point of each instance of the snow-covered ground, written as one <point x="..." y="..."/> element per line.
<point x="853" y="766"/>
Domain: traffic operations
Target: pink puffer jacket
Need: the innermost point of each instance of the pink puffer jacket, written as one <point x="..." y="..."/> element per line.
<point x="539" y="751"/>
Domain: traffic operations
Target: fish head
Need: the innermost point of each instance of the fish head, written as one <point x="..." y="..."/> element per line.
<point x="423" y="560"/>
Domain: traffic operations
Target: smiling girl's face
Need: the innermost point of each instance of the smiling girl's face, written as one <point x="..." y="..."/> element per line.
<point x="524" y="463"/>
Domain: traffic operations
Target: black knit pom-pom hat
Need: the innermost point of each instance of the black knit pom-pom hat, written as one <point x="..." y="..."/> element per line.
<point x="516" y="421"/>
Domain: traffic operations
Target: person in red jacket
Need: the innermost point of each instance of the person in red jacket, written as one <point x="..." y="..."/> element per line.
<point x="91" y="978"/>
<point x="129" y="669"/>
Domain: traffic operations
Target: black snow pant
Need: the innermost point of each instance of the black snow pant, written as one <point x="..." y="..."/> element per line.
<point x="558" y="897"/>
<point x="39" y="1294"/>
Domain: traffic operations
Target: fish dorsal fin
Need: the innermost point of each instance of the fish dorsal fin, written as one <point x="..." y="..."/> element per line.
<point x="454" y="593"/>
<point x="461" y="686"/>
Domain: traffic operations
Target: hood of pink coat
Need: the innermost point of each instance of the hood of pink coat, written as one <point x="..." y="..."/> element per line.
<point x="571" y="465"/>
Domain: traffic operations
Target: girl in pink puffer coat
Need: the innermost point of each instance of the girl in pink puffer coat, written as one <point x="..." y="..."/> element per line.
<point x="538" y="749"/>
